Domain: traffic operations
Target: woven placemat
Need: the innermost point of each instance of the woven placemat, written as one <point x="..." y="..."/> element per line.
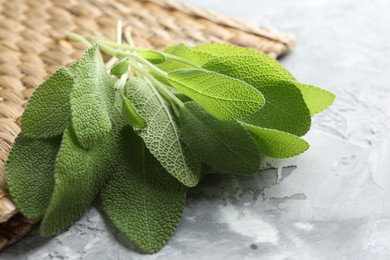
<point x="32" y="46"/>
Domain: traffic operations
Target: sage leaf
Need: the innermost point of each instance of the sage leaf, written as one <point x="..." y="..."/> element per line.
<point x="222" y="96"/>
<point x="219" y="50"/>
<point x="142" y="199"/>
<point x="29" y="172"/>
<point x="162" y="134"/>
<point x="120" y="68"/>
<point x="130" y="115"/>
<point x="185" y="52"/>
<point x="89" y="106"/>
<point x="224" y="145"/>
<point x="316" y="99"/>
<point x="285" y="108"/>
<point x="80" y="174"/>
<point x="48" y="110"/>
<point x="154" y="57"/>
<point x="276" y="143"/>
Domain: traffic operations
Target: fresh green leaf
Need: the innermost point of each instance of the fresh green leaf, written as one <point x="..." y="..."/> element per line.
<point x="154" y="57"/>
<point x="48" y="110"/>
<point x="220" y="49"/>
<point x="225" y="145"/>
<point x="29" y="172"/>
<point x="142" y="199"/>
<point x="316" y="99"/>
<point x="284" y="109"/>
<point x="130" y="115"/>
<point x="80" y="174"/>
<point x="222" y="96"/>
<point x="276" y="143"/>
<point x="186" y="53"/>
<point x="89" y="105"/>
<point x="162" y="135"/>
<point x="120" y="68"/>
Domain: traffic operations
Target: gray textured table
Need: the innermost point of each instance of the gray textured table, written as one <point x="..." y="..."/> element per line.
<point x="333" y="202"/>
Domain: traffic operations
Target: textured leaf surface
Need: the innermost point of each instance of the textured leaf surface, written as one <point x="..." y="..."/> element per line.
<point x="219" y="49"/>
<point x="162" y="136"/>
<point x="183" y="51"/>
<point x="222" y="96"/>
<point x="48" y="109"/>
<point x="89" y="106"/>
<point x="284" y="109"/>
<point x="225" y="145"/>
<point x="276" y="143"/>
<point x="29" y="173"/>
<point x="316" y="99"/>
<point x="79" y="175"/>
<point x="143" y="200"/>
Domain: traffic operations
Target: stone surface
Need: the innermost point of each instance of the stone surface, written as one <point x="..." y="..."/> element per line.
<point x="330" y="203"/>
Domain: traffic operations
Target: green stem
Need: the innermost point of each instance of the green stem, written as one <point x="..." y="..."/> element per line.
<point x="109" y="48"/>
<point x="177" y="58"/>
<point x="137" y="49"/>
<point x="79" y="38"/>
<point x="168" y="95"/>
<point x="119" y="31"/>
<point x="123" y="54"/>
<point x="128" y="37"/>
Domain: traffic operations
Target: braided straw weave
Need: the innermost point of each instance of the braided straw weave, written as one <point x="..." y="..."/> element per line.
<point x="33" y="46"/>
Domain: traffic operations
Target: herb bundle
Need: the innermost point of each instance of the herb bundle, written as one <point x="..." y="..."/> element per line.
<point x="139" y="131"/>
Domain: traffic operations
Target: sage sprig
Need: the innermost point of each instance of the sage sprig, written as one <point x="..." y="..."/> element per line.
<point x="137" y="131"/>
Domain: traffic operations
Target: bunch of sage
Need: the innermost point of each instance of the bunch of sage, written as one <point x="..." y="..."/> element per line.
<point x="137" y="132"/>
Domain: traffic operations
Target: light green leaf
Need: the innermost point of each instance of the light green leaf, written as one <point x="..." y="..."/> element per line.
<point x="142" y="199"/>
<point x="276" y="143"/>
<point x="225" y="145"/>
<point x="89" y="106"/>
<point x="220" y="49"/>
<point x="316" y="99"/>
<point x="154" y="57"/>
<point x="162" y="136"/>
<point x="120" y="68"/>
<point x="183" y="51"/>
<point x="130" y="115"/>
<point x="48" y="109"/>
<point x="284" y="109"/>
<point x="222" y="96"/>
<point x="29" y="172"/>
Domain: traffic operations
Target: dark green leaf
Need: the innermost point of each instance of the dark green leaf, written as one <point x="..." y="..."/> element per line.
<point x="29" y="172"/>
<point x="88" y="102"/>
<point x="48" y="109"/>
<point x="143" y="200"/>
<point x="225" y="145"/>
